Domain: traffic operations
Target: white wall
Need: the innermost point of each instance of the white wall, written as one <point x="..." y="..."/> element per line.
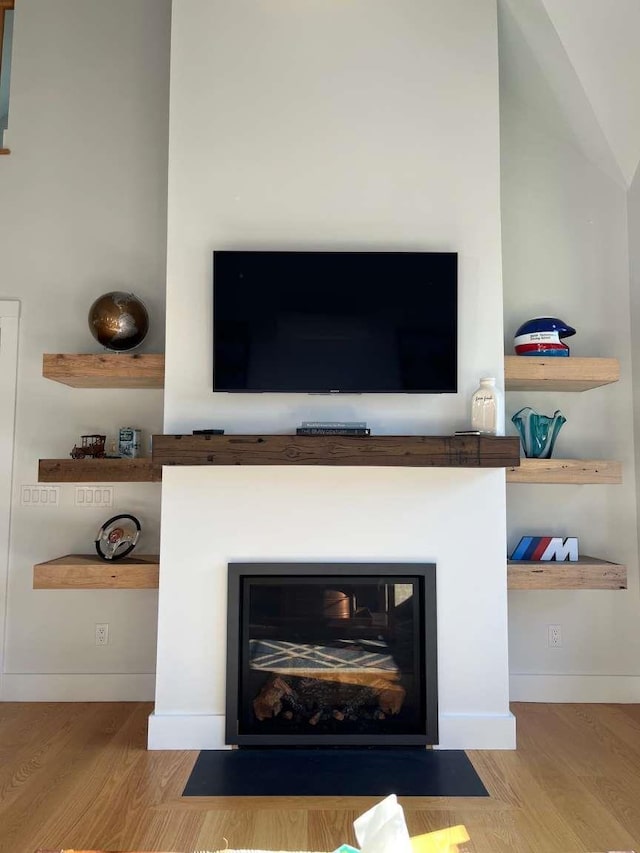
<point x="337" y="125"/>
<point x="633" y="201"/>
<point x="602" y="44"/>
<point x="9" y="323"/>
<point x="565" y="254"/>
<point x="83" y="211"/>
<point x="341" y="125"/>
<point x="236" y="514"/>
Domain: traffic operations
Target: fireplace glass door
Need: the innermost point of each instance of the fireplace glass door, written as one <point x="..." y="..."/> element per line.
<point x="331" y="654"/>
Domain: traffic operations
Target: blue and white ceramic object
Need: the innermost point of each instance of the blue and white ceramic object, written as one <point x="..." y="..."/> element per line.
<point x="538" y="433"/>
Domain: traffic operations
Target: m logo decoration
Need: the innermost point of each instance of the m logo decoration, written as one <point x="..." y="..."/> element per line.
<point x="541" y="548"/>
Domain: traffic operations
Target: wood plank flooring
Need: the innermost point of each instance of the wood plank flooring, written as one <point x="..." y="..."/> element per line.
<point x="78" y="775"/>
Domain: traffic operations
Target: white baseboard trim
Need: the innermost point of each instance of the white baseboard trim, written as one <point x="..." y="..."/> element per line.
<point x="186" y="731"/>
<point x="574" y="688"/>
<point x="78" y="687"/>
<point x="477" y="731"/>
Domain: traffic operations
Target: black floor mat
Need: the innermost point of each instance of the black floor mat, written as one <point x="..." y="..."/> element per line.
<point x="334" y="772"/>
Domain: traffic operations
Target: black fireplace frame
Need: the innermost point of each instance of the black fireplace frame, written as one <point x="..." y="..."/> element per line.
<point x="423" y="573"/>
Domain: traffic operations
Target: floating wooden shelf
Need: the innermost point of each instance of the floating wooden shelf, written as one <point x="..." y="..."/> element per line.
<point x="88" y="571"/>
<point x="4" y="151"/>
<point x="98" y="471"/>
<point x="585" y="573"/>
<point x="529" y="373"/>
<point x="569" y="471"/>
<point x="382" y="450"/>
<point x="105" y="370"/>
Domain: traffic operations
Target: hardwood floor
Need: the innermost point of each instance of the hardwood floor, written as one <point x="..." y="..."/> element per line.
<point x="79" y="776"/>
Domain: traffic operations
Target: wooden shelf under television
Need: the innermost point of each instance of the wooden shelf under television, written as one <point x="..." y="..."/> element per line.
<point x="88" y="571"/>
<point x="466" y="451"/>
<point x="585" y="573"/>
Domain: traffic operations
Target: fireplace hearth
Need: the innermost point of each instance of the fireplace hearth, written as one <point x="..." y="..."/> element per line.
<point x="331" y="654"/>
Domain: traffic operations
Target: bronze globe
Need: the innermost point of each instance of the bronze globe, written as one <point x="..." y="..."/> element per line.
<point x="118" y="320"/>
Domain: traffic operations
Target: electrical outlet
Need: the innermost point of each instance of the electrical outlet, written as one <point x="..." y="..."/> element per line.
<point x="98" y="496"/>
<point x="40" y="495"/>
<point x="102" y="633"/>
<point x="554" y="636"/>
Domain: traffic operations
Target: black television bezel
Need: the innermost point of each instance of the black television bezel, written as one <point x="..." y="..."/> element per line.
<point x="334" y="392"/>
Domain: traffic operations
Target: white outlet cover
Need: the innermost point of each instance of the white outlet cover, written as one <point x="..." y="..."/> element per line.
<point x="554" y="636"/>
<point x="41" y="496"/>
<point x="94" y="496"/>
<point x="102" y="633"/>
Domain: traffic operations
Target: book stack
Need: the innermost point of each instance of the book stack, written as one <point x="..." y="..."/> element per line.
<point x="333" y="428"/>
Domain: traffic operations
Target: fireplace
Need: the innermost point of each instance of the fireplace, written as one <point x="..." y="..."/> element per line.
<point x="331" y="654"/>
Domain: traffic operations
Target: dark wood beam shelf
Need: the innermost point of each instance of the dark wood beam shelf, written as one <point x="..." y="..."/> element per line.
<point x="585" y="573"/>
<point x="469" y="451"/>
<point x="98" y="471"/>
<point x="88" y="571"/>
<point x="105" y="370"/>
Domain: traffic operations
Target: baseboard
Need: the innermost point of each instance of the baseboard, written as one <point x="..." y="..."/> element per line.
<point x="574" y="688"/>
<point x="477" y="731"/>
<point x="186" y="731"/>
<point x="77" y="687"/>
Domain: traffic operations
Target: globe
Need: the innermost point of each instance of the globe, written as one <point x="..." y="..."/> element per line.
<point x="118" y="320"/>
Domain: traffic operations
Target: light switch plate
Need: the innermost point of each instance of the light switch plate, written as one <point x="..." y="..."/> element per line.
<point x="94" y="496"/>
<point x="40" y="495"/>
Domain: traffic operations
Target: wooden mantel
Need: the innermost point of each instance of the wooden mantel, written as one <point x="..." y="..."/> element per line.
<point x="468" y="451"/>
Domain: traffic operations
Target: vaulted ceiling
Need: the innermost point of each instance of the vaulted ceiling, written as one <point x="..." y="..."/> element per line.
<point x="587" y="51"/>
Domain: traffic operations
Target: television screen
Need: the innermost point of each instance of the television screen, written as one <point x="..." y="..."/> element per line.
<point x="335" y="322"/>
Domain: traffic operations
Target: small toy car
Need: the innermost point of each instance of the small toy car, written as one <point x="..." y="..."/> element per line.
<point x="92" y="446"/>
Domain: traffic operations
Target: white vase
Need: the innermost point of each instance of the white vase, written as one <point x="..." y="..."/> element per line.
<point x="487" y="408"/>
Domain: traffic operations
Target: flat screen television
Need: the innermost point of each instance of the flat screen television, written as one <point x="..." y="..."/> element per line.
<point x="335" y="322"/>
